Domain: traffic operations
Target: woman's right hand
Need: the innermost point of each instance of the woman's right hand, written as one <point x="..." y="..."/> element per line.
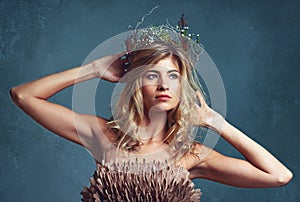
<point x="109" y="68"/>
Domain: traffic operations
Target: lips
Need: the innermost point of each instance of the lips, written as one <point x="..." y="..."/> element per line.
<point x="163" y="97"/>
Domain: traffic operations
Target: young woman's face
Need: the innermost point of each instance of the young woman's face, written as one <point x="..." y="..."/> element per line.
<point x="161" y="85"/>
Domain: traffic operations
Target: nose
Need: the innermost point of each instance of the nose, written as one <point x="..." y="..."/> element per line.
<point x="162" y="85"/>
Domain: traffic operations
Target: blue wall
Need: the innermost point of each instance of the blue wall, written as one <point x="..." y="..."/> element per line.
<point x="255" y="44"/>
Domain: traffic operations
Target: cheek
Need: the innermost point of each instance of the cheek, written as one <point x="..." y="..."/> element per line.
<point x="148" y="91"/>
<point x="176" y="88"/>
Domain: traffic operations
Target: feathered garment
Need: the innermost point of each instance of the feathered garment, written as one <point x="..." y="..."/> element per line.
<point x="140" y="181"/>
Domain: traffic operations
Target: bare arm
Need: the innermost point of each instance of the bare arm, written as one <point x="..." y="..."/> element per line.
<point x="32" y="98"/>
<point x="260" y="169"/>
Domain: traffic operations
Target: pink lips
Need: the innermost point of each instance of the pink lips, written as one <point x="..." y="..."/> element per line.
<point x="163" y="97"/>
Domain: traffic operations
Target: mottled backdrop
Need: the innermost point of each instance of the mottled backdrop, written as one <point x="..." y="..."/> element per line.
<point x="255" y="45"/>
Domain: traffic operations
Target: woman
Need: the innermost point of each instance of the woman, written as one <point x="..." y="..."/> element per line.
<point x="157" y="111"/>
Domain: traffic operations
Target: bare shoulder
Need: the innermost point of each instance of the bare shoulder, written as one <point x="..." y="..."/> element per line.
<point x="194" y="157"/>
<point x="105" y="129"/>
<point x="198" y="159"/>
<point x="97" y="124"/>
<point x="198" y="148"/>
<point x="100" y="131"/>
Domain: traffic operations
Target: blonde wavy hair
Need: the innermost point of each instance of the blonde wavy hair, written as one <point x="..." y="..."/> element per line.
<point x="129" y="110"/>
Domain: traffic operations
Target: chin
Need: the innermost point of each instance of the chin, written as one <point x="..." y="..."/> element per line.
<point x="165" y="107"/>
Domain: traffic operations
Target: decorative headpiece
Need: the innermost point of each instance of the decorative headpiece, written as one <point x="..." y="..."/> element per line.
<point x="178" y="37"/>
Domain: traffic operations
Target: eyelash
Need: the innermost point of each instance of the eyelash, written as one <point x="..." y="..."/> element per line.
<point x="174" y="76"/>
<point x="152" y="76"/>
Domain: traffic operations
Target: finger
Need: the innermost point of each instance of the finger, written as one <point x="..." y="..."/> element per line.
<point x="115" y="58"/>
<point x="200" y="97"/>
<point x="118" y="55"/>
<point x="115" y="79"/>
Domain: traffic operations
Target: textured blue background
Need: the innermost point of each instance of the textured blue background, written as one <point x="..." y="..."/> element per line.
<point x="255" y="45"/>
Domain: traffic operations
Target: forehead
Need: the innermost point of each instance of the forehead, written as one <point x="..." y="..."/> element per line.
<point x="167" y="64"/>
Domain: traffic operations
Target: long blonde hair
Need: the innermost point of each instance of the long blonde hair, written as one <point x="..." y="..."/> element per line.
<point x="130" y="109"/>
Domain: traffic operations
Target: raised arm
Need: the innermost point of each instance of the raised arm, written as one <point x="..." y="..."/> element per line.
<point x="32" y="98"/>
<point x="260" y="169"/>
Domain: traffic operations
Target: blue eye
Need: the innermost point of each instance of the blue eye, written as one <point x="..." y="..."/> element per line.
<point x="151" y="76"/>
<point x="174" y="76"/>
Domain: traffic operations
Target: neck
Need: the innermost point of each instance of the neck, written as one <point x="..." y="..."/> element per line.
<point x="153" y="127"/>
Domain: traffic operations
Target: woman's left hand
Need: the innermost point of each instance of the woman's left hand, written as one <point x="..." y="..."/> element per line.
<point x="206" y="116"/>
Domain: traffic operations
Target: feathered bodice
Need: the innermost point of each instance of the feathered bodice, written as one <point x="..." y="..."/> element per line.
<point x="140" y="181"/>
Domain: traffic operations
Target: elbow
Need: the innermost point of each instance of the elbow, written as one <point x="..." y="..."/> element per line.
<point x="15" y="95"/>
<point x="284" y="178"/>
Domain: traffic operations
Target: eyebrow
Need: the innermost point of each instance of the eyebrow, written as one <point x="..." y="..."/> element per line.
<point x="155" y="71"/>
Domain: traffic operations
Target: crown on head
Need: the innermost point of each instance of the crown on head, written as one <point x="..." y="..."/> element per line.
<point x="178" y="37"/>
